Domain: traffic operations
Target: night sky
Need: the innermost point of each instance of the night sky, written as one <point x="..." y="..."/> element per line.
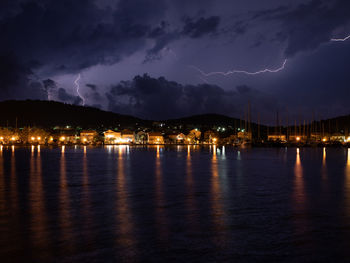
<point x="151" y="58"/>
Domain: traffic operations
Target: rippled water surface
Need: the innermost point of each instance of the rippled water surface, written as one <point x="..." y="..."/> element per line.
<point x="188" y="204"/>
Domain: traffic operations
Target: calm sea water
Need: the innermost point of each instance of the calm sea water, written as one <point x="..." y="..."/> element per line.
<point x="189" y="204"/>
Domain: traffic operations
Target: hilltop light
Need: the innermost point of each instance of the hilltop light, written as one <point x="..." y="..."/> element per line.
<point x="298" y="138"/>
<point x="39" y="138"/>
<point x="1" y="138"/>
<point x="348" y="139"/>
<point x="33" y="138"/>
<point x="13" y="138"/>
<point x="63" y="138"/>
<point x="84" y="139"/>
<point x="324" y="139"/>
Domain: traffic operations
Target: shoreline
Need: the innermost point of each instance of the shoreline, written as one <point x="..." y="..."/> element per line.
<point x="248" y="145"/>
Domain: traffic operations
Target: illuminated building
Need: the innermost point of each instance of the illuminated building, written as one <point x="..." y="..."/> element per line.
<point x="128" y="136"/>
<point x="177" y="138"/>
<point x="337" y="137"/>
<point x="155" y="138"/>
<point x="88" y="136"/>
<point x="316" y="137"/>
<point x="65" y="137"/>
<point x="193" y="136"/>
<point x="297" y="138"/>
<point x="209" y="137"/>
<point x="276" y="137"/>
<point x="112" y="137"/>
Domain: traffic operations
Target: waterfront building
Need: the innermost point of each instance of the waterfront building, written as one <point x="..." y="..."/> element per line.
<point x="295" y="138"/>
<point x="112" y="137"/>
<point x="64" y="137"/>
<point x="177" y="138"/>
<point x="210" y="137"/>
<point x="88" y="136"/>
<point x="276" y="137"/>
<point x="8" y="136"/>
<point x="316" y="137"/>
<point x="337" y="137"/>
<point x="127" y="136"/>
<point x="193" y="136"/>
<point x="155" y="138"/>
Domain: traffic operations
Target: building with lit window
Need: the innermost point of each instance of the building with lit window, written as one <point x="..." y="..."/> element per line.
<point x="128" y="136"/>
<point x="155" y="138"/>
<point x="112" y="137"/>
<point x="276" y="137"/>
<point x="88" y="136"/>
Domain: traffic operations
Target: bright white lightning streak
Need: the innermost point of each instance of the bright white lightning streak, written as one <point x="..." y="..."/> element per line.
<point x="241" y="71"/>
<point x="77" y="87"/>
<point x="340" y="39"/>
<point x="260" y="71"/>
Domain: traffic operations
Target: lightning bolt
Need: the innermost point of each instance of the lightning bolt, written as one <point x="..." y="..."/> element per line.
<point x="340" y="39"/>
<point x="241" y="71"/>
<point x="266" y="70"/>
<point x="77" y="88"/>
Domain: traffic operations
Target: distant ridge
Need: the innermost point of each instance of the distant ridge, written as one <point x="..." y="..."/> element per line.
<point x="52" y="113"/>
<point x="48" y="114"/>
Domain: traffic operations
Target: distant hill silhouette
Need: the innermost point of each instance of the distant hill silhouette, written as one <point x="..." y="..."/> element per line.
<point x="48" y="114"/>
<point x="52" y="113"/>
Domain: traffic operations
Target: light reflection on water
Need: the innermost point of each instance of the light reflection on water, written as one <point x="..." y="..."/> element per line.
<point x="125" y="225"/>
<point x="39" y="228"/>
<point x="299" y="180"/>
<point x="216" y="197"/>
<point x="85" y="203"/>
<point x="160" y="215"/>
<point x="65" y="210"/>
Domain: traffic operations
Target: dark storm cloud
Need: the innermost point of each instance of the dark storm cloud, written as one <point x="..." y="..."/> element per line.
<point x="55" y="39"/>
<point x="308" y="25"/>
<point x="72" y="35"/>
<point x="158" y="98"/>
<point x="320" y="82"/>
<point x="16" y="80"/>
<point x="68" y="36"/>
<point x="202" y="26"/>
